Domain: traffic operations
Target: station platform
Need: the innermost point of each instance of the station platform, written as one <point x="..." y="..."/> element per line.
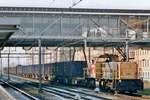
<point x="4" y="95"/>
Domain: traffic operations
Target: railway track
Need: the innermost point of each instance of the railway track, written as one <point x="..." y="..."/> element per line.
<point x="123" y="96"/>
<point x="63" y="94"/>
<point x="16" y="92"/>
<point x="68" y="93"/>
<point x="75" y="94"/>
<point x="85" y="92"/>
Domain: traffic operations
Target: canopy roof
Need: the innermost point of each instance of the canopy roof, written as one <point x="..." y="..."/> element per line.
<point x="72" y="26"/>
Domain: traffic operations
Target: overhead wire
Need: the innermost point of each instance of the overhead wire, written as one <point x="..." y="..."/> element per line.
<point x="75" y="3"/>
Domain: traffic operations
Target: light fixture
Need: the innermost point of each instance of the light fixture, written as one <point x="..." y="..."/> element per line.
<point x="26" y="48"/>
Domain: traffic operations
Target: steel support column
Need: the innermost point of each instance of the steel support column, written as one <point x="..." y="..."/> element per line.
<point x="85" y="44"/>
<point x="8" y="65"/>
<point x="18" y="60"/>
<point x="74" y="52"/>
<point x="1" y="63"/>
<point x="43" y="60"/>
<point x="32" y="57"/>
<point x="84" y="50"/>
<point x="148" y="26"/>
<point x="127" y="51"/>
<point x="70" y="54"/>
<point x="56" y="55"/>
<point x="89" y="54"/>
<point x="40" y="66"/>
<point x="1" y="67"/>
<point x="85" y="57"/>
<point x="127" y="47"/>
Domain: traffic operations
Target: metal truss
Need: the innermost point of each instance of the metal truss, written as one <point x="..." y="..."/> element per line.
<point x="58" y="26"/>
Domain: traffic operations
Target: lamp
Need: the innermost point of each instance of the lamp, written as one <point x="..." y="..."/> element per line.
<point x="26" y="48"/>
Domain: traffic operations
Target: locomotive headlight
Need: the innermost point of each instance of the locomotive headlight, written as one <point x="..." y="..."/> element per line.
<point x="102" y="83"/>
<point x="119" y="81"/>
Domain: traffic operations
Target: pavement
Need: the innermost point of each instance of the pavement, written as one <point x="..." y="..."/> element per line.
<point x="4" y="95"/>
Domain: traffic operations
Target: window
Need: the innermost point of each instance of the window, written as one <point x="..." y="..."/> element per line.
<point x="146" y="63"/>
<point x="148" y="51"/>
<point x="143" y="63"/>
<point x="146" y="74"/>
<point x="136" y="52"/>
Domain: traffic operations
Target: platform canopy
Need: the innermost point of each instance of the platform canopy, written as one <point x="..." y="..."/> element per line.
<point x="72" y="26"/>
<point x="5" y="32"/>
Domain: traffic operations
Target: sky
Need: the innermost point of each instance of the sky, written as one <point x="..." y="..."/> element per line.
<point x="13" y="61"/>
<point x="105" y="4"/>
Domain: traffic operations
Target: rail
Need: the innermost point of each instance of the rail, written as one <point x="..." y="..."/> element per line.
<point x="22" y="92"/>
<point x="82" y="95"/>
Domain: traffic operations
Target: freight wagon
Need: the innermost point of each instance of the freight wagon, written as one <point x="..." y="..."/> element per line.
<point x="66" y="69"/>
<point x="67" y="73"/>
